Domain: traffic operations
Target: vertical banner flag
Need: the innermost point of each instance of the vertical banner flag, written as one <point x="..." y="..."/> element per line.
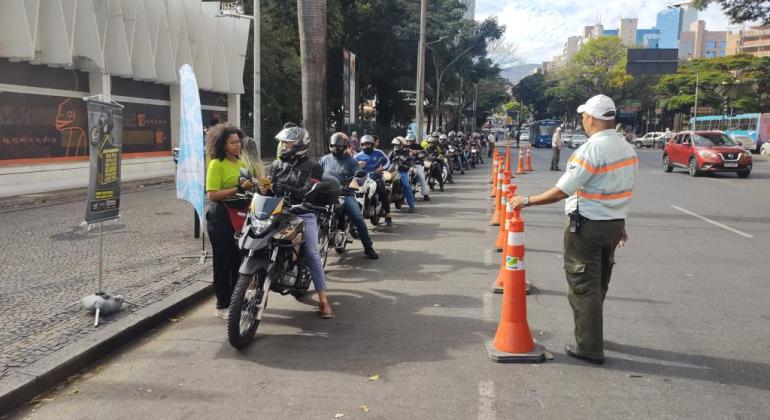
<point x="190" y="172"/>
<point x="346" y="84"/>
<point x="105" y="135"/>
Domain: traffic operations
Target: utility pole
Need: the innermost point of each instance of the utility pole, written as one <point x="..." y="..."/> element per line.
<point x="695" y="114"/>
<point x="421" y="71"/>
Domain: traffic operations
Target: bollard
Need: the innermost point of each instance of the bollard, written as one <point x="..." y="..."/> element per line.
<point x="513" y="341"/>
<point x="505" y="212"/>
<point x="528" y="166"/>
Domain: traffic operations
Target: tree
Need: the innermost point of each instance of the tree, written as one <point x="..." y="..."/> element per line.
<point x="311" y="15"/>
<point x="741" y="11"/>
<point x="532" y="91"/>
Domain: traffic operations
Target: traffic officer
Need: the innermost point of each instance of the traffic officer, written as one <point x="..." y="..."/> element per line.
<point x="598" y="185"/>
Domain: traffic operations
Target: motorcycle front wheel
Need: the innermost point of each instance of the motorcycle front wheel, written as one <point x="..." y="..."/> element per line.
<point x="247" y="304"/>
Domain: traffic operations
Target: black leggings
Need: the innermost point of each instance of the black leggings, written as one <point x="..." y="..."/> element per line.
<point x="227" y="257"/>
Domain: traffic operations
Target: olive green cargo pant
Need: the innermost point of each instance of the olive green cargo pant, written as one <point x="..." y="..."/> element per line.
<point x="588" y="259"/>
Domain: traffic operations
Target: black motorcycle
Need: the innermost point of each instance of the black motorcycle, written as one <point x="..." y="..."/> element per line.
<point x="272" y="240"/>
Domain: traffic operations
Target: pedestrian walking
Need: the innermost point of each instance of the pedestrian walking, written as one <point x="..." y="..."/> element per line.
<point x="223" y="182"/>
<point x="556" y="149"/>
<point x="598" y="184"/>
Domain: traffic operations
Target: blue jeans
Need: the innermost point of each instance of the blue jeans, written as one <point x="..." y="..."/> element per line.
<point x="354" y="214"/>
<point x="407" y="188"/>
<point x="312" y="256"/>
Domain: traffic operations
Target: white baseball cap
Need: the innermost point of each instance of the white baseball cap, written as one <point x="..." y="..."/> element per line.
<point x="600" y="107"/>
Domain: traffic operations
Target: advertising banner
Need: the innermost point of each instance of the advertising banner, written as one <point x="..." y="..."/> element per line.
<point x="191" y="168"/>
<point x="105" y="136"/>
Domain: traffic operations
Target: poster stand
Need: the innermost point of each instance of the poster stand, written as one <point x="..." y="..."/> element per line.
<point x="105" y="129"/>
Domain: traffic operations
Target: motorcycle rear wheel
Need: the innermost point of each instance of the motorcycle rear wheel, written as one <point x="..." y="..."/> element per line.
<point x="249" y="297"/>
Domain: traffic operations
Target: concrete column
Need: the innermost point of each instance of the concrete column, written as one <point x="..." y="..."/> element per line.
<point x="100" y="84"/>
<point x="175" y="109"/>
<point x="234" y="109"/>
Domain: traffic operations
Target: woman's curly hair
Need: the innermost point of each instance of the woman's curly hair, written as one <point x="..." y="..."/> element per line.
<point x="216" y="139"/>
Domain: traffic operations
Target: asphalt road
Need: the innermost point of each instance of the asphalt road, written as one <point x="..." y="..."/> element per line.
<point x="686" y="323"/>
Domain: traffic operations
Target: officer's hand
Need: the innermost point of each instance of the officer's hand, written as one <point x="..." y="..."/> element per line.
<point x="623" y="239"/>
<point x="517" y="202"/>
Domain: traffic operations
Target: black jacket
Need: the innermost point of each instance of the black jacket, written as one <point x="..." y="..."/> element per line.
<point x="294" y="180"/>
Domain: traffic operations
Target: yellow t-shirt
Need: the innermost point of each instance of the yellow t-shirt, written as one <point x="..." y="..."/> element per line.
<point x="223" y="174"/>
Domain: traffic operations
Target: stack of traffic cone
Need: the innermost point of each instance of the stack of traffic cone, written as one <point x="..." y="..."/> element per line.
<point x="520" y="166"/>
<point x="529" y="159"/>
<point x="495" y="169"/>
<point x="504" y="215"/>
<point x="513" y="341"/>
<point x="498" y="198"/>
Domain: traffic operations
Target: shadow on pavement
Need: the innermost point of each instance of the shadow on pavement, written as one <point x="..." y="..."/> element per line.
<point x="536" y="291"/>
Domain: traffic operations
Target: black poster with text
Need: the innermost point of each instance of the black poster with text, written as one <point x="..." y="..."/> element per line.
<point x="105" y="135"/>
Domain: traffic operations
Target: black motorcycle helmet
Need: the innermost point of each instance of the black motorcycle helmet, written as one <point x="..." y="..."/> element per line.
<point x="338" y="144"/>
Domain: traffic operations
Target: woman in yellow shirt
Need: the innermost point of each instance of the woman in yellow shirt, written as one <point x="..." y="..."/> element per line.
<point x="222" y="182"/>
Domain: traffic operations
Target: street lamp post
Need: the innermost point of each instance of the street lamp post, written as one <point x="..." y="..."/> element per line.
<point x="421" y="70"/>
<point x="236" y="10"/>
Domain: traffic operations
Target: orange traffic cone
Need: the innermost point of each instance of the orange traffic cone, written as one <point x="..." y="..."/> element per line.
<point x="504" y="216"/>
<point x="518" y="249"/>
<point x="494" y="163"/>
<point x="513" y="341"/>
<point x="528" y="167"/>
<point x="520" y="167"/>
<point x="498" y="199"/>
<point x="508" y="159"/>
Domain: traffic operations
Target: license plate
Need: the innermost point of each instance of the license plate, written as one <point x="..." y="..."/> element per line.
<point x="731" y="165"/>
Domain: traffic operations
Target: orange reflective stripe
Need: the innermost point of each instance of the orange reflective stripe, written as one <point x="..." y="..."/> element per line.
<point x="621" y="164"/>
<point x="604" y="169"/>
<point x="583" y="163"/>
<point x="618" y="196"/>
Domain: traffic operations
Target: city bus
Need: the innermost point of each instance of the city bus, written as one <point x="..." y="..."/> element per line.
<point x="756" y="126"/>
<point x="541" y="132"/>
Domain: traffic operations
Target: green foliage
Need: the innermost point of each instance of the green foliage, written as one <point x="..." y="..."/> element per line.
<point x="741" y="11"/>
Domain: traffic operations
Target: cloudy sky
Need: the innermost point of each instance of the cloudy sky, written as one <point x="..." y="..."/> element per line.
<point x="539" y="28"/>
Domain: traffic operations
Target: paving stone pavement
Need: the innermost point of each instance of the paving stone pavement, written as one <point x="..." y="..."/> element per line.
<point x="48" y="262"/>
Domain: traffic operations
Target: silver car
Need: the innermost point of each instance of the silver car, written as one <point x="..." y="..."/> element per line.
<point x="651" y="139"/>
<point x="747" y="142"/>
<point x="575" y="140"/>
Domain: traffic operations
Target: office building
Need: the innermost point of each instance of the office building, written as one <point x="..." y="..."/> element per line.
<point x="701" y="43"/>
<point x="627" y="32"/>
<point x="674" y="20"/>
<point x="53" y="54"/>
<point x="754" y="41"/>
<point x="571" y="47"/>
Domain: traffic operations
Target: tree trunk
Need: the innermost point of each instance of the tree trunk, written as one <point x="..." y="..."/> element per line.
<point x="311" y="15"/>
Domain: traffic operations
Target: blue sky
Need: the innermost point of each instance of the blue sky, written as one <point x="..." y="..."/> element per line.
<point x="539" y="28"/>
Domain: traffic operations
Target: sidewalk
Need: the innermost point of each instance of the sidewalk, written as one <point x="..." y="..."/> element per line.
<point x="48" y="262"/>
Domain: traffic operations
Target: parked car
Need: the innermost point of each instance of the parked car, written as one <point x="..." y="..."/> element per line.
<point x="575" y="140"/>
<point x="706" y="152"/>
<point x="746" y="142"/>
<point x="650" y="140"/>
<point x="524" y="135"/>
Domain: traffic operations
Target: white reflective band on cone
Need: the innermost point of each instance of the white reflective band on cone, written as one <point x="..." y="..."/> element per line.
<point x="516" y="238"/>
<point x="514" y="263"/>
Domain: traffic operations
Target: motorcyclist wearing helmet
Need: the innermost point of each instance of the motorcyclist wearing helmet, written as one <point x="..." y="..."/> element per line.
<point x="292" y="176"/>
<point x="456" y="141"/>
<point x="342" y="166"/>
<point x="434" y="150"/>
<point x="402" y="159"/>
<point x="374" y="162"/>
<point x="410" y="143"/>
<point x="475" y="141"/>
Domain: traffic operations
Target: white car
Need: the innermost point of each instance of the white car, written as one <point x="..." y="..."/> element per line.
<point x="524" y="136"/>
<point x="765" y="149"/>
<point x="650" y="140"/>
<point x="575" y="140"/>
<point x="747" y="142"/>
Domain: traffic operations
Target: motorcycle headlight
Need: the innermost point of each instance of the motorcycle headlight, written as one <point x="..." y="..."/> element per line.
<point x="260" y="225"/>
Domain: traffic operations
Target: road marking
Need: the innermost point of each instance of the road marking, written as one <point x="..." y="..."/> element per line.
<point x="715" y="223"/>
<point x="487" y="400"/>
<point x="719" y="180"/>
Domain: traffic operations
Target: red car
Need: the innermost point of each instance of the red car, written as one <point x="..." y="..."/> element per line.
<point x="706" y="152"/>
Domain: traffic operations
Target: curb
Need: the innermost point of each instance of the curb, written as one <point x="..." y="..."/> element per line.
<point x="23" y="385"/>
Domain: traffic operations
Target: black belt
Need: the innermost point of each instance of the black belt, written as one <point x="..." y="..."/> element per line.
<point x="585" y="219"/>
